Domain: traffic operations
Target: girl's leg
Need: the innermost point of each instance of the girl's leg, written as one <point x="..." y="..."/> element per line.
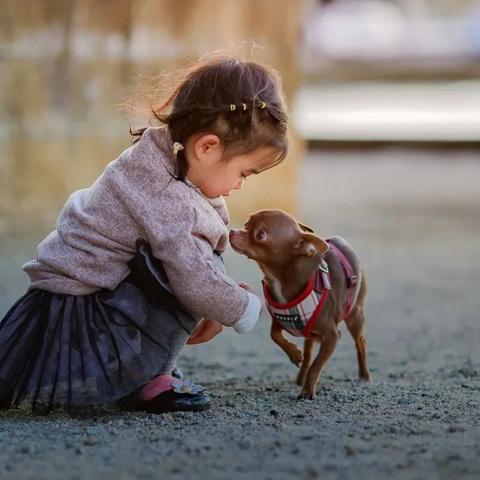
<point x="165" y="381"/>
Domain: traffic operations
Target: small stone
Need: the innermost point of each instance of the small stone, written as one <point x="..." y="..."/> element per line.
<point x="244" y="444"/>
<point x="273" y="412"/>
<point x="90" y="441"/>
<point x="350" y="451"/>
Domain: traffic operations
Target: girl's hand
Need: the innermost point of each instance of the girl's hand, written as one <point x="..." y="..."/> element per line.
<point x="248" y="288"/>
<point x="205" y="331"/>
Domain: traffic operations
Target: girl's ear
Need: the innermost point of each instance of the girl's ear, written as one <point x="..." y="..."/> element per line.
<point x="206" y="145"/>
<point x="310" y="245"/>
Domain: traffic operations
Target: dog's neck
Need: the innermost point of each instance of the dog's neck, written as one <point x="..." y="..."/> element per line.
<point x="290" y="280"/>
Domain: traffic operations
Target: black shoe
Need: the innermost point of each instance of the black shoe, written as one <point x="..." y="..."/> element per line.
<point x="6" y="402"/>
<point x="169" y="401"/>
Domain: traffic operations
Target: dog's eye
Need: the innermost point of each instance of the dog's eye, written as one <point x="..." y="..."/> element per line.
<point x="260" y="235"/>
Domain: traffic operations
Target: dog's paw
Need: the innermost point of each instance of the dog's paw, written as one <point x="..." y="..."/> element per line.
<point x="296" y="356"/>
<point x="366" y="377"/>
<point x="306" y="394"/>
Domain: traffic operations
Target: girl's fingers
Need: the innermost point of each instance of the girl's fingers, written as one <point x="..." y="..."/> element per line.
<point x="205" y="332"/>
<point x="198" y="328"/>
<point x="250" y="289"/>
<point x="246" y="287"/>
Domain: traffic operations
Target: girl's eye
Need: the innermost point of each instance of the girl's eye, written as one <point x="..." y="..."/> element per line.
<point x="260" y="235"/>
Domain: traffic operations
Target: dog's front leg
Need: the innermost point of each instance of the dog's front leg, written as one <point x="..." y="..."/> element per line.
<point x="294" y="353"/>
<point x="307" y="357"/>
<point x="328" y="344"/>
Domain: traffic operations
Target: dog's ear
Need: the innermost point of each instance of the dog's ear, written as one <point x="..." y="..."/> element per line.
<point x="309" y="244"/>
<point x="305" y="228"/>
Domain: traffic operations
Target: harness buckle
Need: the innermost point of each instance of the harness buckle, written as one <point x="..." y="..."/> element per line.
<point x="351" y="280"/>
<point x="324" y="266"/>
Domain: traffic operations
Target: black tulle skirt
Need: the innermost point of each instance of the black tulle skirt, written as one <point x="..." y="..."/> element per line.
<point x="74" y="351"/>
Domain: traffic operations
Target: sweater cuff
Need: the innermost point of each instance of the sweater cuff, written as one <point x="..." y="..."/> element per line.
<point x="250" y="316"/>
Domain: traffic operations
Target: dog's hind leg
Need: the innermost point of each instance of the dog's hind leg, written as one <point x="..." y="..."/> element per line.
<point x="307" y="358"/>
<point x="356" y="324"/>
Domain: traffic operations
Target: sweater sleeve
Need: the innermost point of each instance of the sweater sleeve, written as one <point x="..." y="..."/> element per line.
<point x="187" y="258"/>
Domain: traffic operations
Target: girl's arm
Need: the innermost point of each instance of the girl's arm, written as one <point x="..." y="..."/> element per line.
<point x="188" y="260"/>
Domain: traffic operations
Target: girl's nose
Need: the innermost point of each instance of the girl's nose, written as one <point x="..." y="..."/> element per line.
<point x="239" y="184"/>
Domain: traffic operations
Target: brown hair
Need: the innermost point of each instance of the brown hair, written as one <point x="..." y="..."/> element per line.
<point x="240" y="101"/>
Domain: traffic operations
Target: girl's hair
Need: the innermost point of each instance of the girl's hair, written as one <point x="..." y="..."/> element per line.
<point x="239" y="101"/>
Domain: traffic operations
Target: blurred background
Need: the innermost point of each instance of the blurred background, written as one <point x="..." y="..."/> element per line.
<point x="385" y="106"/>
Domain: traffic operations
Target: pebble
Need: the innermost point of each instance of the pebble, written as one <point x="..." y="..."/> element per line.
<point x="350" y="451"/>
<point x="90" y="441"/>
<point x="244" y="444"/>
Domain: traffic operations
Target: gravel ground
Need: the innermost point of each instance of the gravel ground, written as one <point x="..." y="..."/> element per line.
<point x="414" y="219"/>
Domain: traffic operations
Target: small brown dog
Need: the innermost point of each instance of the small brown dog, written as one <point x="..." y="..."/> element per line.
<point x="310" y="286"/>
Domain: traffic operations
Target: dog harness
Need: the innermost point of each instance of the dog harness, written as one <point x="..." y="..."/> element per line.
<point x="298" y="316"/>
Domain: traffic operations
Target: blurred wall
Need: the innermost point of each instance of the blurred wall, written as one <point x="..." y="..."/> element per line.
<point x="66" y="65"/>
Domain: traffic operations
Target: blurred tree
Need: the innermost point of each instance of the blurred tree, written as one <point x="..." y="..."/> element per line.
<point x="66" y="64"/>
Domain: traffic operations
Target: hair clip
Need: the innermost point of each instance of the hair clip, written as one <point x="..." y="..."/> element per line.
<point x="262" y="105"/>
<point x="177" y="146"/>
<point x="232" y="107"/>
<point x="244" y="105"/>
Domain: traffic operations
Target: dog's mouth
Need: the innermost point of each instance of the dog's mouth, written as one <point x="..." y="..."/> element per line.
<point x="239" y="250"/>
<point x="233" y="237"/>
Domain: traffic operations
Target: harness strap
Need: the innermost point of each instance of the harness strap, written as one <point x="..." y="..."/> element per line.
<point x="311" y="321"/>
<point x="350" y="276"/>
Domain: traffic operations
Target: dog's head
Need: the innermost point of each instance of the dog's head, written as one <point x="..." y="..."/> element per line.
<point x="273" y="239"/>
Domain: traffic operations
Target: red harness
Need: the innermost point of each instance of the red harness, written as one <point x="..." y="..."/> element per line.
<point x="298" y="315"/>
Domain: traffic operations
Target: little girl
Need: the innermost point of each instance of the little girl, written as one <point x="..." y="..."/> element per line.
<point x="134" y="265"/>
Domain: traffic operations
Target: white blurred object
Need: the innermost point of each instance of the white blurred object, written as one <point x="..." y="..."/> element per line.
<point x="378" y="30"/>
<point x="353" y="28"/>
<point x="378" y="111"/>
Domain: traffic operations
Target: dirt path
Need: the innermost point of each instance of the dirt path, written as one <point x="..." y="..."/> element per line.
<point x="414" y="218"/>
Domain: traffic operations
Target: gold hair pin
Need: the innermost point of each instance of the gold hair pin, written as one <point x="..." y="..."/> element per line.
<point x="244" y="105"/>
<point x="232" y="107"/>
<point x="262" y="105"/>
<point x="177" y="146"/>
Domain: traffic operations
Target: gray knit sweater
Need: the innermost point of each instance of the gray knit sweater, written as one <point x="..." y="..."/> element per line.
<point x="137" y="197"/>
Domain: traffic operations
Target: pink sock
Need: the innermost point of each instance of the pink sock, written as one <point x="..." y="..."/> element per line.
<point x="159" y="384"/>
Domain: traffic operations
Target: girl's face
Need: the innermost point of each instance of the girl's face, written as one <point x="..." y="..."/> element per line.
<point x="216" y="177"/>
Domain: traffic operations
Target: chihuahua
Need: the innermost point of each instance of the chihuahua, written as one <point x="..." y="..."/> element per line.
<point x="310" y="285"/>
